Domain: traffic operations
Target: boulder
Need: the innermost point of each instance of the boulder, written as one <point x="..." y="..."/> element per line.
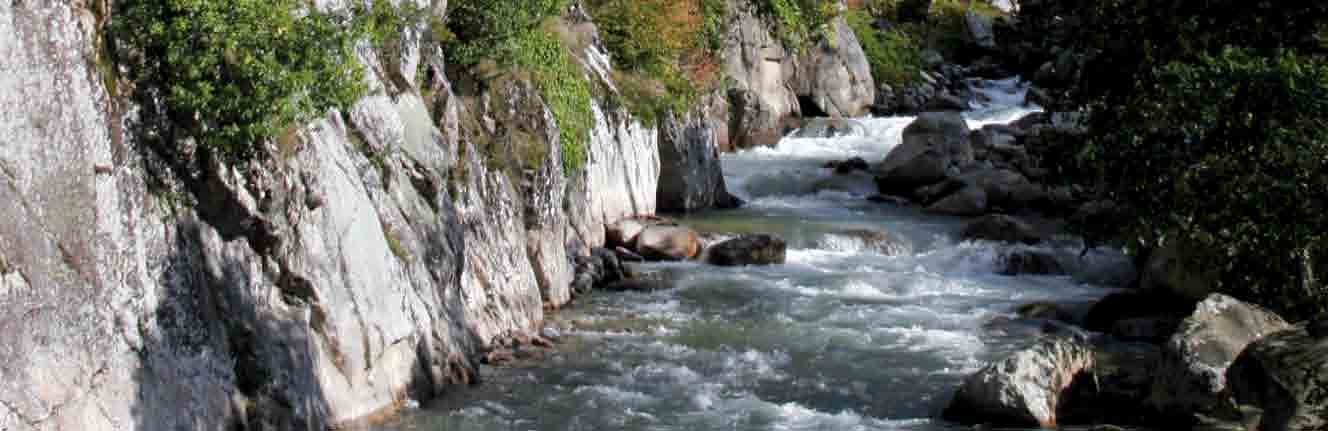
<point x="1001" y="227"/>
<point x="835" y="75"/>
<point x="1005" y="187"/>
<point x="1285" y="377"/>
<point x="1031" y="262"/>
<point x="623" y="232"/>
<point x="753" y="249"/>
<point x="668" y="242"/>
<point x="968" y="201"/>
<point x="934" y="147"/>
<point x="979" y="30"/>
<point x="847" y="166"/>
<point x="1025" y="388"/>
<point x="1191" y="375"/>
<point x="691" y="177"/>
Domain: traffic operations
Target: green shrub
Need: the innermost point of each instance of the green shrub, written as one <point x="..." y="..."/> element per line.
<point x="667" y="50"/>
<point x="893" y="54"/>
<point x="492" y="29"/>
<point x="798" y="23"/>
<point x="1231" y="150"/>
<point x="236" y="72"/>
<point x="565" y="89"/>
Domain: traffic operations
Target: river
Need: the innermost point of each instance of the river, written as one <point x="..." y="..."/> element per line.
<point x="841" y="337"/>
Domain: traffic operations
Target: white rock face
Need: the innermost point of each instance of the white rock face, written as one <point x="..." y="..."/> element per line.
<point x="144" y="288"/>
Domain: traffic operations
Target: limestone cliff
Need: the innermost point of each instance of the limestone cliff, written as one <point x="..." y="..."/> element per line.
<point x="373" y="255"/>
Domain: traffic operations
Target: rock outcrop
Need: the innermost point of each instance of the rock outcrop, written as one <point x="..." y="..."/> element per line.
<point x="371" y="256"/>
<point x="769" y="79"/>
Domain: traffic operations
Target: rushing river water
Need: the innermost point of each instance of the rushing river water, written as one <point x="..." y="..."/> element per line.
<point x="838" y="338"/>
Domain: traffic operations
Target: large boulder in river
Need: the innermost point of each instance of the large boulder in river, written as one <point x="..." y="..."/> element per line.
<point x="1285" y="377"/>
<point x="1024" y="389"/>
<point x="668" y="242"/>
<point x="968" y="201"/>
<point x="1003" y="228"/>
<point x="623" y="232"/>
<point x="1004" y="187"/>
<point x="935" y="146"/>
<point x="753" y="249"/>
<point x="1191" y="375"/>
<point x="691" y="177"/>
<point x="1031" y="262"/>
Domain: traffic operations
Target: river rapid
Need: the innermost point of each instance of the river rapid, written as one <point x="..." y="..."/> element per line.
<point x="841" y="337"/>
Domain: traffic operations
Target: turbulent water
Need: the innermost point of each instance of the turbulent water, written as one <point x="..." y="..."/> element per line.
<point x="842" y="337"/>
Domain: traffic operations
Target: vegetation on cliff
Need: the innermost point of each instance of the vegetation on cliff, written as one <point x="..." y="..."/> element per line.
<point x="518" y="37"/>
<point x="1208" y="125"/>
<point x="232" y="73"/>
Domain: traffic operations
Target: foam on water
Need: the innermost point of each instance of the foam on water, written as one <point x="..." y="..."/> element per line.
<point x="840" y="337"/>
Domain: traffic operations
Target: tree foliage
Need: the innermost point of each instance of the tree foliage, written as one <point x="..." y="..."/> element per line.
<point x="236" y="72"/>
<point x="1207" y="123"/>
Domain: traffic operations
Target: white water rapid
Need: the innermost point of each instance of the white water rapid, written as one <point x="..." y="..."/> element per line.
<point x="841" y="337"/>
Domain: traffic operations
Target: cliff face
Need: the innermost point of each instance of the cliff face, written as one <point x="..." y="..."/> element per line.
<point x="374" y="255"/>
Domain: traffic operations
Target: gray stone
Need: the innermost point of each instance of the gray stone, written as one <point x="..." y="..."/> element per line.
<point x="979" y="30"/>
<point x="668" y="242"/>
<point x="623" y="232"/>
<point x="934" y="146"/>
<point x="1001" y="227"/>
<point x="691" y="176"/>
<point x="1030" y="262"/>
<point x="1284" y="376"/>
<point x="753" y="249"/>
<point x="1191" y="376"/>
<point x="968" y="201"/>
<point x="1024" y="389"/>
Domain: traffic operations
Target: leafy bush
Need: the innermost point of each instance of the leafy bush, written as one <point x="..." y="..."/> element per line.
<point x="236" y="72"/>
<point x="1207" y="126"/>
<point x="1227" y="155"/>
<point x="668" y="50"/>
<point x="894" y="57"/>
<point x="799" y="22"/>
<point x="564" y="87"/>
<point x="514" y="34"/>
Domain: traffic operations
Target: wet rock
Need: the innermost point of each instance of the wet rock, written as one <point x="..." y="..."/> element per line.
<point x="627" y="255"/>
<point x="1285" y="377"/>
<point x="1044" y="310"/>
<point x="1025" y="388"/>
<point x="691" y="176"/>
<point x="1030" y="262"/>
<point x="1000" y="227"/>
<point x="1191" y="375"/>
<point x="934" y="147"/>
<point x="888" y="199"/>
<point x="847" y="166"/>
<point x="1121" y="376"/>
<point x="668" y="242"/>
<point x="829" y="128"/>
<point x="874" y="240"/>
<point x="623" y="232"/>
<point x="968" y="201"/>
<point x="754" y="249"/>
<point x="946" y="102"/>
<point x="1005" y="187"/>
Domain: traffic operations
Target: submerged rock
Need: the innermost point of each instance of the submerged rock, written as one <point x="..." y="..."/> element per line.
<point x="1285" y="377"/>
<point x="1031" y="262"/>
<point x="756" y="249"/>
<point x="1191" y="375"/>
<point x="872" y="240"/>
<point x="1000" y="227"/>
